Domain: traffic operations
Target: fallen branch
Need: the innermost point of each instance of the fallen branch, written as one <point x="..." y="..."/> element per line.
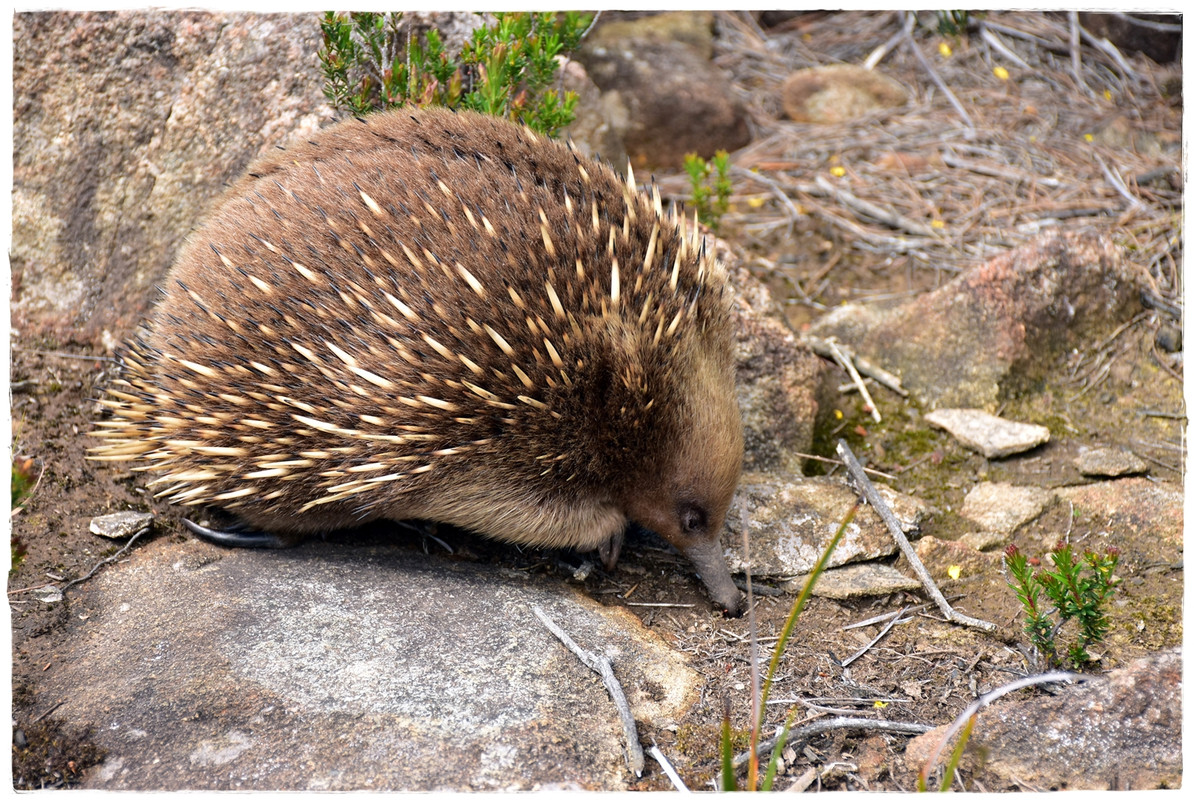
<point x="910" y="21"/>
<point x="872" y="370"/>
<point x="668" y="770"/>
<point x="885" y="215"/>
<point x="848" y="365"/>
<point x="991" y="38"/>
<point x="107" y="560"/>
<point x="863" y="485"/>
<point x="848" y="660"/>
<point x="602" y="666"/>
<point x="798" y="736"/>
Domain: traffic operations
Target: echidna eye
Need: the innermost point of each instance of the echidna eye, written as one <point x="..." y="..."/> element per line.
<point x="693" y="519"/>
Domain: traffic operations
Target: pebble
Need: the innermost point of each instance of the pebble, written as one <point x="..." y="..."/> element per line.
<point x="1108" y="462"/>
<point x="121" y="525"/>
<point x="988" y="434"/>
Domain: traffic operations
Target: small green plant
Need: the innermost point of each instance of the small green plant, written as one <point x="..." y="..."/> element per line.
<point x="711" y="187"/>
<point x="952" y="23"/>
<point x="1073" y="595"/>
<point x="370" y="63"/>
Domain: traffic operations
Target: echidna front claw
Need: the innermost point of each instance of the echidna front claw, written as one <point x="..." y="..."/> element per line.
<point x="238" y="535"/>
<point x="610" y="549"/>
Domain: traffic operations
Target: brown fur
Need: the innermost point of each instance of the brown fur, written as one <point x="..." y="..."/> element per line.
<point x="413" y="315"/>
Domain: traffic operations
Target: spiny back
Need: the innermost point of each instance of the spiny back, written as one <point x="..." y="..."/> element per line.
<point x="411" y="299"/>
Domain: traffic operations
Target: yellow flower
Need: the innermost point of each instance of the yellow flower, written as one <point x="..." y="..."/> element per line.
<point x="937" y="224"/>
<point x="756" y="202"/>
<point x="1088" y="137"/>
<point x="837" y="172"/>
<point x="945" y="50"/>
<point x="1001" y="73"/>
<point x="955" y="571"/>
<point x="1107" y="93"/>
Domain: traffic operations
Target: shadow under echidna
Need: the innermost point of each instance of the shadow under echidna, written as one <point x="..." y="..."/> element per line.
<point x="441" y="316"/>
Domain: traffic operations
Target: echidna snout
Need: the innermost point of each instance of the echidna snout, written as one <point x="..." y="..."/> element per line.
<point x="441" y="316"/>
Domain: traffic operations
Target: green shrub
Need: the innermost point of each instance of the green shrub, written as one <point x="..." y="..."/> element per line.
<point x="1074" y="595"/>
<point x="711" y="187"/>
<point x="505" y="69"/>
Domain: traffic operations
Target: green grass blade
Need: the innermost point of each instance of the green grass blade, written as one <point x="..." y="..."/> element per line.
<point x="729" y="783"/>
<point x="956" y="757"/>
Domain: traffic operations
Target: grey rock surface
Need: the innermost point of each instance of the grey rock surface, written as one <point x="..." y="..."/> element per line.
<point x="1132" y="505"/>
<point x="126" y="126"/>
<point x="792" y="518"/>
<point x="1119" y="731"/>
<point x="997" y="328"/>
<point x="782" y="384"/>
<point x="988" y="434"/>
<point x="1002" y="507"/>
<point x="333" y="667"/>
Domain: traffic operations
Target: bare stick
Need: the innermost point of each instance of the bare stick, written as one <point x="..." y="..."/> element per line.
<point x="800" y="735"/>
<point x="851" y="659"/>
<point x="865" y="366"/>
<point x="107" y="560"/>
<point x="927" y="67"/>
<point x="992" y="38"/>
<point x="668" y="769"/>
<point x="863" y="485"/>
<point x="884" y="215"/>
<point x="848" y="366"/>
<point x="1117" y="183"/>
<point x="889" y="615"/>
<point x="1111" y="50"/>
<point x="60" y="354"/>
<point x="986" y="700"/>
<point x="602" y="666"/>
<point x="838" y="462"/>
<point x="769" y="183"/>
<point x="950" y="159"/>
<point x="1076" y="51"/>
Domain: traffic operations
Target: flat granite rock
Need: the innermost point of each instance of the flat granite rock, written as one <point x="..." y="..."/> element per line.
<point x="332" y="667"/>
<point x="988" y="434"/>
<point x="1002" y="507"/>
<point x="792" y="518"/>
<point x="1109" y="462"/>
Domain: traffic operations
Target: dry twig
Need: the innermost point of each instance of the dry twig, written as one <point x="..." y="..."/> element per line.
<point x="864" y="486"/>
<point x="602" y="666"/>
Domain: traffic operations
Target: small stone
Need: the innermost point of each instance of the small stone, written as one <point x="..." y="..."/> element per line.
<point x="1108" y="462"/>
<point x="121" y="525"/>
<point x="858" y="580"/>
<point x="838" y="93"/>
<point x="988" y="434"/>
<point x="1002" y="507"/>
<point x="983" y="540"/>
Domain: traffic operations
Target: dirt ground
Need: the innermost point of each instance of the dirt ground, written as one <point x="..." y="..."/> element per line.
<point x="1120" y="392"/>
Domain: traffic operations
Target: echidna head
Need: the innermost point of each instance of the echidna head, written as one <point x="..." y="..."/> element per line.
<point x="686" y="503"/>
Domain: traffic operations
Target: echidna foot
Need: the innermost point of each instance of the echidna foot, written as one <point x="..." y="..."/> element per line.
<point x="237" y="535"/>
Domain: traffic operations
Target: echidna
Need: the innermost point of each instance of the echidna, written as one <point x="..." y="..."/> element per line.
<point x="442" y="316"/>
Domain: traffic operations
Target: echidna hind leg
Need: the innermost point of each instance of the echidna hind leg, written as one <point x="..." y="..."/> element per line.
<point x="238" y="535"/>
